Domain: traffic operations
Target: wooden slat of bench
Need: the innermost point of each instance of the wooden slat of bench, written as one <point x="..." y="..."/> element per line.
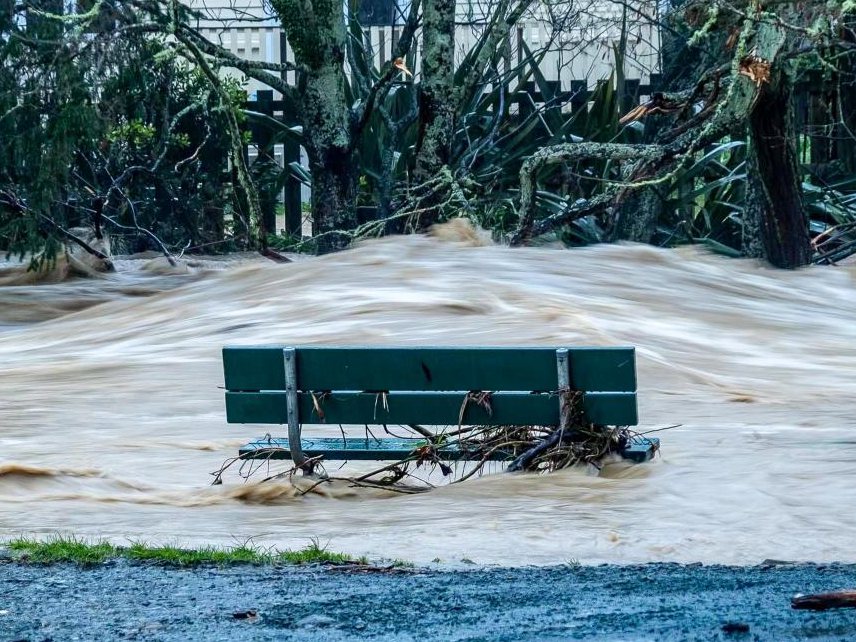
<point x="355" y="448"/>
<point x="520" y="409"/>
<point x="250" y="368"/>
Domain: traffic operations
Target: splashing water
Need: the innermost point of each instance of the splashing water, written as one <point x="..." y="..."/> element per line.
<point x="112" y="415"/>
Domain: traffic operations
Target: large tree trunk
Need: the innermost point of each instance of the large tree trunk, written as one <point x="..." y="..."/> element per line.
<point x="335" y="173"/>
<point x="437" y="97"/>
<point x="775" y="210"/>
<point x="334" y="197"/>
<point x="316" y="32"/>
<point x="636" y="217"/>
<point x="847" y="91"/>
<point x="636" y="213"/>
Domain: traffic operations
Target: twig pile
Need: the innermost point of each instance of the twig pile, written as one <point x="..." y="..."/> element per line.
<point x="548" y="448"/>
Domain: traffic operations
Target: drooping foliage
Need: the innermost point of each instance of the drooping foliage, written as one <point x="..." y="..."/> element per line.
<point x="164" y="119"/>
<point x="117" y="135"/>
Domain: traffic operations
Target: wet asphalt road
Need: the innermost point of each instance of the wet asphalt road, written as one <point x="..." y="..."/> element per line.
<point x="125" y="601"/>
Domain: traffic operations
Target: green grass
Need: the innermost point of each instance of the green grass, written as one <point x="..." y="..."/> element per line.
<point x="397" y="563"/>
<point x="316" y="554"/>
<point x="60" y="548"/>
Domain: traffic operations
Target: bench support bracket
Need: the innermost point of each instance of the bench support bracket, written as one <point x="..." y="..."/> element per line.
<point x="289" y="356"/>
<point x="563" y="373"/>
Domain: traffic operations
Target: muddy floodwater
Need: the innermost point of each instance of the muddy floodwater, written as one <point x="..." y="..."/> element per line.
<point x="112" y="414"/>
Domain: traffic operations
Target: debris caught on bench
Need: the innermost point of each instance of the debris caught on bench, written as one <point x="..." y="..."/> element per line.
<point x="524" y="448"/>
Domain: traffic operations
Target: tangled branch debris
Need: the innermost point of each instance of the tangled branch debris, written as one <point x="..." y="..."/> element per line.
<point x="469" y="448"/>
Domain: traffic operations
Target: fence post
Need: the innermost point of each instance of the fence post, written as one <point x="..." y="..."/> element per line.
<point x="630" y="95"/>
<point x="291" y="197"/>
<point x="292" y="200"/>
<point x="819" y="121"/>
<point x="265" y="159"/>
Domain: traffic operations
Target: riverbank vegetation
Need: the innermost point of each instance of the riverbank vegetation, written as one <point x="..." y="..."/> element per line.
<point x="121" y="119"/>
<point x="69" y="549"/>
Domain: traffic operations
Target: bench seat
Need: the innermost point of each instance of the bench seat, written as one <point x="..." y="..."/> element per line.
<point x="640" y="450"/>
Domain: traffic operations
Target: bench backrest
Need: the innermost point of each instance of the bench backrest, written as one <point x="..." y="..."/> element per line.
<point x="381" y="385"/>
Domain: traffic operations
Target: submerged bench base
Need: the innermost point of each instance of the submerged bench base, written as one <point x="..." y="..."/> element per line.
<point x="640" y="449"/>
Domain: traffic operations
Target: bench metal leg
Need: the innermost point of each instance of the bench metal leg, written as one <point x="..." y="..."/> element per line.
<point x="563" y="371"/>
<point x="289" y="356"/>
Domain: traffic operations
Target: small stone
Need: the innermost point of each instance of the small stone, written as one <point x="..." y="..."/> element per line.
<point x="735" y="627"/>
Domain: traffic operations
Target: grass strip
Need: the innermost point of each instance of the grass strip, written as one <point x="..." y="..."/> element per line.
<point x="70" y="549"/>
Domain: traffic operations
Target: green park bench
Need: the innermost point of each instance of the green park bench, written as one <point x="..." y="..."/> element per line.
<point x="306" y="385"/>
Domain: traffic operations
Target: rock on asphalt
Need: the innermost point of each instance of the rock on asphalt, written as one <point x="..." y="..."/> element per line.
<point x="125" y="601"/>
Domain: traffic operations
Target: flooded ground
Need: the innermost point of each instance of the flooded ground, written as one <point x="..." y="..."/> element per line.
<point x="112" y="413"/>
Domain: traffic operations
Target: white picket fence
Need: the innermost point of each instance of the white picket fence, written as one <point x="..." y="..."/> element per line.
<point x="585" y="50"/>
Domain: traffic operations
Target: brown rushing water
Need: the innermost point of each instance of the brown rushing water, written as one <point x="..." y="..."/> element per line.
<point x="111" y="418"/>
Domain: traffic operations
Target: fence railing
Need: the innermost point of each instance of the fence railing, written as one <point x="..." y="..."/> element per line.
<point x="585" y="51"/>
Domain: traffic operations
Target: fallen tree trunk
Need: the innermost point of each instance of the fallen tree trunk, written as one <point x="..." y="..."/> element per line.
<point x="568" y="153"/>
